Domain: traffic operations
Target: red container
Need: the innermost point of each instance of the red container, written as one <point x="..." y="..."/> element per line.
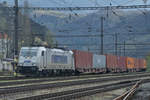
<point x="144" y="63"/>
<point x="141" y="63"/>
<point x="83" y="59"/>
<point x="121" y="63"/>
<point x="136" y="64"/>
<point x="111" y="61"/>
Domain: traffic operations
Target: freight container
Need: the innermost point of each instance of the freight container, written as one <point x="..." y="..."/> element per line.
<point x="142" y="64"/>
<point x="99" y="61"/>
<point x="145" y="64"/>
<point x="121" y="63"/>
<point x="130" y="63"/>
<point x="111" y="63"/>
<point x="83" y="60"/>
<point x="137" y="64"/>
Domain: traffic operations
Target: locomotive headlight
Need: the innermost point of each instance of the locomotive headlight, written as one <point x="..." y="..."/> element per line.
<point x="34" y="64"/>
<point x="20" y="64"/>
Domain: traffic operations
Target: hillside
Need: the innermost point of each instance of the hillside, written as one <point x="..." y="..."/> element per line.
<point x="27" y="28"/>
<point x="125" y="23"/>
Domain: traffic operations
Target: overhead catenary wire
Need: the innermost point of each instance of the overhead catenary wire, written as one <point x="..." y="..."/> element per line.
<point x="134" y="44"/>
<point x="84" y="8"/>
<point x="59" y="36"/>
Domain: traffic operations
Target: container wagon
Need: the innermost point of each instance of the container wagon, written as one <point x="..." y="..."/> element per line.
<point x="83" y="61"/>
<point x="137" y="64"/>
<point x="121" y="63"/>
<point x="131" y="64"/>
<point x="111" y="63"/>
<point x="144" y="68"/>
<point x="142" y="64"/>
<point x="99" y="63"/>
<point x="52" y="61"/>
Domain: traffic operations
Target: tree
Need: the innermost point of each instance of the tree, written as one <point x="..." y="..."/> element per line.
<point x="38" y="41"/>
<point x="148" y="62"/>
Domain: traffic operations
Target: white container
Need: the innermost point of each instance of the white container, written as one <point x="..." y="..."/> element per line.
<point x="99" y="61"/>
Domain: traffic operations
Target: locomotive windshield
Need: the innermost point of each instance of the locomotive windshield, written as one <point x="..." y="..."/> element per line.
<point x="28" y="53"/>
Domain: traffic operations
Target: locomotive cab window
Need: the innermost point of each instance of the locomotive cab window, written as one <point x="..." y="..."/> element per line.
<point x="28" y="53"/>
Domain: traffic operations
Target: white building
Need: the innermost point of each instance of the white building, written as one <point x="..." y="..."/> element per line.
<point x="4" y="45"/>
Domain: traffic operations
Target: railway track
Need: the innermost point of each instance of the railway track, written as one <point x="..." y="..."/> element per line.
<point x="76" y="93"/>
<point x="39" y="80"/>
<point x="127" y="95"/>
<point x="5" y="78"/>
<point x="11" y="78"/>
<point x="49" y="83"/>
<point x="6" y="91"/>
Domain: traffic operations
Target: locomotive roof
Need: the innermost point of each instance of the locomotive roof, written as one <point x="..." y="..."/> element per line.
<point x="32" y="47"/>
<point x="52" y="49"/>
<point x="60" y="50"/>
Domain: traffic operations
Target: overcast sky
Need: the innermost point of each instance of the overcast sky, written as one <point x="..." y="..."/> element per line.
<point x="77" y="3"/>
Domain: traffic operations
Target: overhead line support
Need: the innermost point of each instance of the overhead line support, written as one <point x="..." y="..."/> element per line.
<point x="16" y="27"/>
<point x="87" y="8"/>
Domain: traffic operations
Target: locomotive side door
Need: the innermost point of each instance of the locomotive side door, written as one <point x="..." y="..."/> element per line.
<point x="43" y="60"/>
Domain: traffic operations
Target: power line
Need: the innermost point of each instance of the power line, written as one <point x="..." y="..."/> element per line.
<point x="81" y="35"/>
<point x="126" y="49"/>
<point x="67" y="36"/>
<point x="82" y="44"/>
<point x="85" y="8"/>
<point x="84" y="35"/>
<point x="134" y="44"/>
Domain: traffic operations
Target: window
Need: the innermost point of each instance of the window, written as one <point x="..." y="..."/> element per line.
<point x="28" y="53"/>
<point x="59" y="59"/>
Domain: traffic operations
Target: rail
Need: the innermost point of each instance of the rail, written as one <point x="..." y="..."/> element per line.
<point x="127" y="95"/>
<point x="77" y="93"/>
<point x="38" y="80"/>
<point x="63" y="84"/>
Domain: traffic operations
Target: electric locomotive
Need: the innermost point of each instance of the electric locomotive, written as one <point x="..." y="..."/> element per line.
<point x="45" y="61"/>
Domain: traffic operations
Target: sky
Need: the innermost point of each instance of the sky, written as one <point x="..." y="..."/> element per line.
<point x="78" y="3"/>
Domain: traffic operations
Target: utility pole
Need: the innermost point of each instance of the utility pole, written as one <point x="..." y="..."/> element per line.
<point x="2" y="35"/>
<point x="124" y="48"/>
<point x="102" y="35"/>
<point x="7" y="46"/>
<point x="16" y="27"/>
<point x="32" y="40"/>
<point x="116" y="45"/>
<point x="120" y="51"/>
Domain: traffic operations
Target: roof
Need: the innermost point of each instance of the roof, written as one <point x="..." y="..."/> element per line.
<point x="3" y="36"/>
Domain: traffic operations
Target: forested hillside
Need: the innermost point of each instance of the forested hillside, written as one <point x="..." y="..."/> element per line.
<point x="131" y="26"/>
<point x="29" y="30"/>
